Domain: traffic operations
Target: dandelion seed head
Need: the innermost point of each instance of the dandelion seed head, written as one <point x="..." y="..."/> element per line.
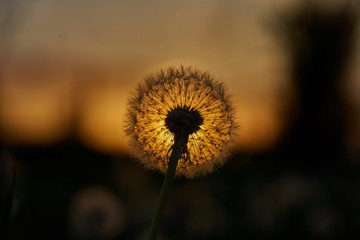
<point x="181" y="100"/>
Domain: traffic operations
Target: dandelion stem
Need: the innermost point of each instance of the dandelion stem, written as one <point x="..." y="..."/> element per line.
<point x="166" y="187"/>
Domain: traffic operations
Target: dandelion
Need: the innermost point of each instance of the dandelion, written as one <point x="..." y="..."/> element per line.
<point x="181" y="101"/>
<point x="180" y="122"/>
<point x="96" y="213"/>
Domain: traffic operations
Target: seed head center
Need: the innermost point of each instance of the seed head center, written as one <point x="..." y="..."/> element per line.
<point x="183" y="120"/>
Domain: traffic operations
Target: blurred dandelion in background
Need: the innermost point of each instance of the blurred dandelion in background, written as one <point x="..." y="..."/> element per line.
<point x="183" y="100"/>
<point x="96" y="213"/>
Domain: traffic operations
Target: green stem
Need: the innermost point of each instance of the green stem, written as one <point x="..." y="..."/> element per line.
<point x="166" y="188"/>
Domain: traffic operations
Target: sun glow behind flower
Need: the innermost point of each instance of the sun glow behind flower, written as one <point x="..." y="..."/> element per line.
<point x="196" y="95"/>
<point x="116" y="43"/>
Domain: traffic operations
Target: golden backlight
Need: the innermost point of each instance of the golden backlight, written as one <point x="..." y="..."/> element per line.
<point x="45" y="100"/>
<point x="36" y="102"/>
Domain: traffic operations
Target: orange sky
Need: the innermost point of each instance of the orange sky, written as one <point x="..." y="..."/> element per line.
<point x="71" y="66"/>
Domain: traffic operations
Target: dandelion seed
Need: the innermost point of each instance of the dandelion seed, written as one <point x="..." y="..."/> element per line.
<point x="187" y="102"/>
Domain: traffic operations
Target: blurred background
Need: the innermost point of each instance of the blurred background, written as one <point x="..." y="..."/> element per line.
<point x="67" y="69"/>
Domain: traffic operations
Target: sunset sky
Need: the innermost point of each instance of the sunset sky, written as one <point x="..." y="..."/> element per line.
<point x="68" y="67"/>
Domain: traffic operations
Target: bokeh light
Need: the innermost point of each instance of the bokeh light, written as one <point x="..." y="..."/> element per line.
<point x="104" y="61"/>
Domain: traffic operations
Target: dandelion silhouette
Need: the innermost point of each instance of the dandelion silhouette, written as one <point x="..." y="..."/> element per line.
<point x="181" y="101"/>
<point x="180" y="122"/>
